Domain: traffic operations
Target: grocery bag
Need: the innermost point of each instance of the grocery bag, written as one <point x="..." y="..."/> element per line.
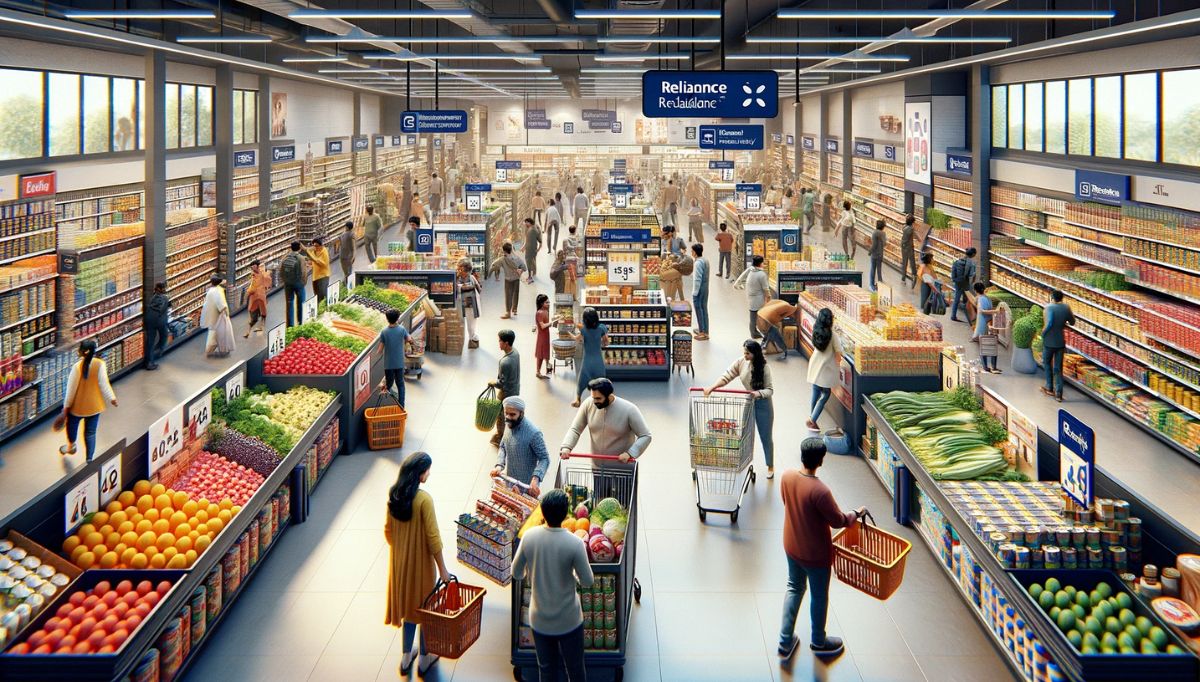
<point x="487" y="409"/>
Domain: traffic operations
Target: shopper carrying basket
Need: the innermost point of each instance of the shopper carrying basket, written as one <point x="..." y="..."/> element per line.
<point x="412" y="535"/>
<point x="868" y="558"/>
<point x="451" y="618"/>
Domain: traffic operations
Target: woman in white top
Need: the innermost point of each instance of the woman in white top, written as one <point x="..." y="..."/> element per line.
<point x="215" y="316"/>
<point x="788" y="202"/>
<point x="755" y="376"/>
<point x="823" y="364"/>
<point x="845" y="225"/>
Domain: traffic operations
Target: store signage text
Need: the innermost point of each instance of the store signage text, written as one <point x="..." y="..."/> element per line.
<point x="40" y="185"/>
<point x="958" y="163"/>
<point x="1076" y="458"/>
<point x="378" y="139"/>
<point x="624" y="268"/>
<point x="791" y="139"/>
<point x="164" y="439"/>
<point x="720" y="165"/>
<point x="396" y="140"/>
<point x="723" y="94"/>
<point x="634" y="235"/>
<point x="247" y="158"/>
<point x="285" y="153"/>
<point x="866" y="149"/>
<point x="434" y="121"/>
<point x="731" y="137"/>
<point x="334" y="147"/>
<point x="1108" y="188"/>
<point x="362" y="143"/>
<point x="791" y="240"/>
<point x="809" y="143"/>
<point x="535" y="119"/>
<point x="831" y="146"/>
<point x="424" y="242"/>
<point x="776" y="138"/>
<point x="751" y="187"/>
<point x="889" y="152"/>
<point x="620" y="189"/>
<point x="509" y="165"/>
<point x="478" y="187"/>
<point x="110" y="479"/>
<point x="599" y="119"/>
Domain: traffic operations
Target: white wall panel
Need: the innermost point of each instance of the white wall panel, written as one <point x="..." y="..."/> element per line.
<point x="868" y="104"/>
<point x="369" y="114"/>
<point x="833" y="116"/>
<point x="34" y="55"/>
<point x="314" y="113"/>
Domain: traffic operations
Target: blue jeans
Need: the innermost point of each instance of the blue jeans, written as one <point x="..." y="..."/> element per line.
<point x="764" y="421"/>
<point x="876" y="271"/>
<point x="293" y="297"/>
<point x="959" y="295"/>
<point x="410" y="633"/>
<point x="1052" y="358"/>
<point x="820" y="396"/>
<point x="798" y="577"/>
<point x="90" y="424"/>
<point x="395" y="377"/>
<point x="700" y="306"/>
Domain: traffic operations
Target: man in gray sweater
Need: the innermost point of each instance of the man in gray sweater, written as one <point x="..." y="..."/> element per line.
<point x="615" y="425"/>
<point x="554" y="561"/>
<point x="512" y="266"/>
<point x="758" y="291"/>
<point x="878" y="244"/>
<point x="508" y="379"/>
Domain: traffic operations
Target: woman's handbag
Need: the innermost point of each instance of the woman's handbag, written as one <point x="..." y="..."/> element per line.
<point x="936" y="305"/>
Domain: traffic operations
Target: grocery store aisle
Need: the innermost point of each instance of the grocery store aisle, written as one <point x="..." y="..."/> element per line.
<point x="30" y="463"/>
<point x="712" y="593"/>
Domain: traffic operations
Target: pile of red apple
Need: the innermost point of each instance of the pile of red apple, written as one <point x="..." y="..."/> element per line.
<point x="308" y="356"/>
<point x="97" y="621"/>
<point x="213" y="477"/>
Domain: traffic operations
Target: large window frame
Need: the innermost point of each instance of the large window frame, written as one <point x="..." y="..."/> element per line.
<point x="246" y="111"/>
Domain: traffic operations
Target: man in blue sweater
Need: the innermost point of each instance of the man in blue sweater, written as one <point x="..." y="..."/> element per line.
<point x="1054" y="343"/>
<point x="700" y="292"/>
<point x="523" y="454"/>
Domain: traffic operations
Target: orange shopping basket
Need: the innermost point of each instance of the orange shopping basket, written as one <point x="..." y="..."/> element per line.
<point x="385" y="423"/>
<point x="870" y="559"/>
<point x="451" y="617"/>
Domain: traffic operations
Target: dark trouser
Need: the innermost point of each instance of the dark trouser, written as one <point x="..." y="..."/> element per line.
<point x="764" y="421"/>
<point x="809" y="221"/>
<point x="90" y="424"/>
<point x="983" y="359"/>
<point x="960" y="294"/>
<point x="501" y="395"/>
<point x="724" y="267"/>
<point x="754" y="333"/>
<point x="255" y="316"/>
<point x="1052" y="358"/>
<point x="700" y="310"/>
<point x="395" y="377"/>
<point x="799" y="577"/>
<point x="294" y="303"/>
<point x="512" y="287"/>
<point x="876" y="272"/>
<point x="537" y="216"/>
<point x="372" y="246"/>
<point x="348" y="267"/>
<point x="321" y="288"/>
<point x="531" y="262"/>
<point x="908" y="262"/>
<point x="776" y="337"/>
<point x="552" y="236"/>
<point x="157" y="334"/>
<point x="556" y="651"/>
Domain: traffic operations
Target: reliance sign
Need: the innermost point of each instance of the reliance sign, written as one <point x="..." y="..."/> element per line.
<point x="721" y="94"/>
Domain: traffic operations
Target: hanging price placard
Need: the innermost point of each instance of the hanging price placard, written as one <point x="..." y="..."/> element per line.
<point x="110" y="479"/>
<point x="164" y="439"/>
<point x="235" y="385"/>
<point x="350" y="283"/>
<point x="334" y="294"/>
<point x="310" y="308"/>
<point x="624" y="268"/>
<point x="276" y="339"/>
<point x="80" y="501"/>
<point x="199" y="414"/>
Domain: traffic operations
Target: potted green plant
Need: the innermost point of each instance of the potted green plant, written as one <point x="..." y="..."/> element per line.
<point x="1027" y="328"/>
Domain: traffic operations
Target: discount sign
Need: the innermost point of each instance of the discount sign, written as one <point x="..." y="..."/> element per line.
<point x="1076" y="458"/>
<point x="110" y="479"/>
<point x="276" y="339"/>
<point x="80" y="501"/>
<point x="165" y="439"/>
<point x="624" y="268"/>
<point x="199" y="414"/>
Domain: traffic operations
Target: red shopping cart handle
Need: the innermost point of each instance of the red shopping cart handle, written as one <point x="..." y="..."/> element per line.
<point x="721" y="390"/>
<point x="587" y="455"/>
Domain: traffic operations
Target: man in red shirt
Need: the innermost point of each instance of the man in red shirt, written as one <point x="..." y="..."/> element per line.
<point x="724" y="251"/>
<point x="810" y="513"/>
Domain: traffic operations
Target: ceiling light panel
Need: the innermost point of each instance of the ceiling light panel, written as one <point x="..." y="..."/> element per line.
<point x="378" y="14"/>
<point x="848" y="57"/>
<point x="429" y="40"/>
<point x="866" y="40"/>
<point x="316" y="60"/>
<point x="391" y="56"/>
<point x="660" y="40"/>
<point x="135" y="14"/>
<point x="640" y="57"/>
<point x="885" y="14"/>
<point x="216" y="40"/>
<point x="647" y="14"/>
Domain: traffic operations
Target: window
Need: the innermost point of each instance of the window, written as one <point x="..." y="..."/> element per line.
<point x="1079" y="120"/>
<point x="245" y="116"/>
<point x="187" y="116"/>
<point x="1056" y="117"/>
<point x="204" y="116"/>
<point x="21" y="98"/>
<point x="171" y="135"/>
<point x="1181" y="117"/>
<point x="237" y="116"/>
<point x="1141" y="116"/>
<point x="1000" y="116"/>
<point x="1107" y="117"/>
<point x="124" y="113"/>
<point x="1016" y="116"/>
<point x="97" y="117"/>
<point x="141" y="114"/>
<point x="1033" y="117"/>
<point x="64" y="114"/>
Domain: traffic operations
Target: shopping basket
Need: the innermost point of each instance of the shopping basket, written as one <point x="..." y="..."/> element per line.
<point x="451" y="617"/>
<point x="487" y="409"/>
<point x="870" y="559"/>
<point x="385" y="423"/>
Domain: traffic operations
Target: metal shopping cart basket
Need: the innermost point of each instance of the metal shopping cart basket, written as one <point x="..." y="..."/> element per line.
<point x="608" y="603"/>
<point x="721" y="429"/>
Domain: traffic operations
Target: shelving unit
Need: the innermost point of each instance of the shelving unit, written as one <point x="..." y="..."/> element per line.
<point x="330" y="171"/>
<point x="596" y="247"/>
<point x="456" y="231"/>
<point x="262" y="237"/>
<point x="639" y="334"/>
<point x="193" y="248"/>
<point x="183" y="194"/>
<point x="287" y="179"/>
<point x="878" y="192"/>
<point x="245" y="189"/>
<point x="763" y="236"/>
<point x="325" y="216"/>
<point x="834" y="172"/>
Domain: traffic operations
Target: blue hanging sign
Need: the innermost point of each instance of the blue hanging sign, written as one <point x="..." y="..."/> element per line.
<point x="1107" y="188"/>
<point x="831" y="146"/>
<point x="467" y="238"/>
<point x="958" y="163"/>
<point x="748" y="187"/>
<point x="1076" y="458"/>
<point x="479" y="187"/>
<point x="889" y="152"/>
<point x="535" y="119"/>
<point x="508" y="165"/>
<point x="434" y="121"/>
<point x="620" y="189"/>
<point x="866" y="149"/>
<point x="247" y="158"/>
<point x="809" y="143"/>
<point x="791" y="240"/>
<point x="720" y="165"/>
<point x="710" y="94"/>
<point x="424" y="240"/>
<point x="283" y="153"/>
<point x="731" y="136"/>
<point x="633" y="235"/>
<point x="378" y="139"/>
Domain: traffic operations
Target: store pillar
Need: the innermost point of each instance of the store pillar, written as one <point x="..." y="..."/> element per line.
<point x="223" y="135"/>
<point x="264" y="144"/>
<point x="981" y="169"/>
<point x="847" y="149"/>
<point x="822" y="174"/>
<point x="154" y="251"/>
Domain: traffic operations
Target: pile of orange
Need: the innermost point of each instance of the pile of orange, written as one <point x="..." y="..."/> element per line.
<point x="150" y="526"/>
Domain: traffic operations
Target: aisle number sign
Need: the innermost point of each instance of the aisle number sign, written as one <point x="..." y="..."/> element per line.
<point x="235" y="385"/>
<point x="1076" y="458"/>
<point x="310" y="308"/>
<point x="276" y="339"/>
<point x="199" y="414"/>
<point x="624" y="268"/>
<point x="80" y="501"/>
<point x="110" y="479"/>
<point x="165" y="439"/>
<point x="335" y="292"/>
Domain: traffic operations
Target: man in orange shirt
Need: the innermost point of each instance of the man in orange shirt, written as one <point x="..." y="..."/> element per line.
<point x="724" y="251"/>
<point x="809" y="513"/>
<point x="770" y="317"/>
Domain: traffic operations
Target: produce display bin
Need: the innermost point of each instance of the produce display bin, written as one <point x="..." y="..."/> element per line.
<point x="439" y="284"/>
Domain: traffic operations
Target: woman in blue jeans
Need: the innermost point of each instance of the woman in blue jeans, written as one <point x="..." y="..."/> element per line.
<point x="755" y="376"/>
<point x="823" y="364"/>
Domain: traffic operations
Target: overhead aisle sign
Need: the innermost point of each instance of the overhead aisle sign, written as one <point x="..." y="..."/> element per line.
<point x="434" y="121"/>
<point x="731" y="137"/>
<point x="750" y="195"/>
<point x="710" y="94"/>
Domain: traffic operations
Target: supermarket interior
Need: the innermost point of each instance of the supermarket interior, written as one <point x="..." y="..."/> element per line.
<point x="276" y="277"/>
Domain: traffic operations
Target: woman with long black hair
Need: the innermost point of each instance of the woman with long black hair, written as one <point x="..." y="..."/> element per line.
<point x="87" y="391"/>
<point x="823" y="364"/>
<point x="412" y="534"/>
<point x="594" y="337"/>
<point x="751" y="369"/>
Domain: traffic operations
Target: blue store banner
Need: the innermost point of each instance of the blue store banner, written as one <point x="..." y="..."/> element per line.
<point x="283" y="153"/>
<point x="710" y="94"/>
<point x="1108" y="188"/>
<point x="889" y="152"/>
<point x="247" y="158"/>
<point x="791" y="240"/>
<point x="479" y="187"/>
<point x="334" y="147"/>
<point x="731" y="137"/>
<point x="508" y="165"/>
<point x="720" y="165"/>
<point x="1076" y="458"/>
<point x="958" y="163"/>
<point x="535" y="119"/>
<point x="636" y="235"/>
<point x="424" y="240"/>
<point x="751" y="187"/>
<point x="809" y="143"/>
<point x="866" y="149"/>
<point x="620" y="189"/>
<point x="434" y="121"/>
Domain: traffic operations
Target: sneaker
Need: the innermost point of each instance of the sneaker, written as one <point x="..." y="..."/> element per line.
<point x="406" y="662"/>
<point x="770" y="475"/>
<point x="428" y="661"/>
<point x="67" y="449"/>
<point x="786" y="652"/>
<point x="832" y="647"/>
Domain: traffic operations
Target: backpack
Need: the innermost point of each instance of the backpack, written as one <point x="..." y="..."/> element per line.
<point x="159" y="305"/>
<point x="291" y="270"/>
<point x="685" y="265"/>
<point x="959" y="271"/>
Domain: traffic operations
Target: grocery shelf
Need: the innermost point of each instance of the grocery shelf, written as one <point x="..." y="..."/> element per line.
<point x="30" y="318"/>
<point x="27" y="234"/>
<point x="1081" y="259"/>
<point x="1159" y="263"/>
<point x="102" y="300"/>
<point x="1086" y="390"/>
<point x="14" y="259"/>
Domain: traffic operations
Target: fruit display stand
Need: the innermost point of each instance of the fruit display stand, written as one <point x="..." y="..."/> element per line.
<point x="1034" y="646"/>
<point x="639" y="331"/>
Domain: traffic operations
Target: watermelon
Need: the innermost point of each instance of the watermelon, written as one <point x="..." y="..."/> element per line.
<point x="601" y="549"/>
<point x="614" y="529"/>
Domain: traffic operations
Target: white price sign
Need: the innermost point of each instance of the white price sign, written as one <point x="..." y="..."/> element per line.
<point x="350" y="283"/>
<point x="620" y="200"/>
<point x="80" y="501"/>
<point x="624" y="268"/>
<point x="753" y="202"/>
<point x="199" y="414"/>
<point x="110" y="479"/>
<point x="235" y="386"/>
<point x="501" y="174"/>
<point x="310" y="308"/>
<point x="474" y="202"/>
<point x="165" y="439"/>
<point x="276" y="339"/>
<point x="335" y="292"/>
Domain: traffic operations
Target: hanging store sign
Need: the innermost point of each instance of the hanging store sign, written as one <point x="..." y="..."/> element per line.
<point x="424" y="240"/>
<point x="437" y="143"/>
<point x="247" y="158"/>
<point x="889" y="152"/>
<point x="568" y="127"/>
<point x="1076" y="458"/>
<point x="958" y="163"/>
<point x="1107" y="188"/>
<point x="361" y="143"/>
<point x="378" y="140"/>
<point x="791" y="139"/>
<point x="599" y="119"/>
<point x="776" y="138"/>
<point x="39" y="185"/>
<point x="809" y="143"/>
<point x="434" y="121"/>
<point x="478" y="187"/>
<point x="731" y="137"/>
<point x="632" y="235"/>
<point x="720" y="165"/>
<point x="831" y="146"/>
<point x="710" y="94"/>
<point x="334" y="147"/>
<point x="283" y="153"/>
<point x="508" y="165"/>
<point x="397" y="140"/>
<point x="791" y="240"/>
<point x="410" y="139"/>
<point x="536" y="119"/>
<point x="866" y="149"/>
<point x="615" y="127"/>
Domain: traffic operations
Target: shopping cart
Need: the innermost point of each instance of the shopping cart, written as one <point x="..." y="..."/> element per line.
<point x="607" y="605"/>
<point x="721" y="427"/>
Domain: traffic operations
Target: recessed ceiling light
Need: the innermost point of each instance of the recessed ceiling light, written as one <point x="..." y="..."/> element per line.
<point x="314" y="60"/>
<point x="655" y="40"/>
<point x="647" y="14"/>
<point x="608" y="71"/>
<point x="864" y="40"/>
<point x="441" y="57"/>
<point x="641" y="57"/>
<point x="1004" y="14"/>
<point x="378" y="14"/>
<point x="224" y="39"/>
<point x="140" y="14"/>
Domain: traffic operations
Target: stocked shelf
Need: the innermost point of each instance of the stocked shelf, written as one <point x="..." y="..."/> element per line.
<point x="637" y="316"/>
<point x="182" y="195"/>
<point x="287" y="179"/>
<point x="265" y="238"/>
<point x="329" y="171"/>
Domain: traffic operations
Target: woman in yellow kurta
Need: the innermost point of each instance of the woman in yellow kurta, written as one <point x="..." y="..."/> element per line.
<point x="416" y="546"/>
<point x="87" y="391"/>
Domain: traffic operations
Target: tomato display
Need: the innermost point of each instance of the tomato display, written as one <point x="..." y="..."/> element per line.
<point x="307" y="356"/>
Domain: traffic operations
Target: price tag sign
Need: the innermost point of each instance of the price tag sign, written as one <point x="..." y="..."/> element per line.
<point x="620" y="200"/>
<point x="884" y="295"/>
<point x="624" y="268"/>
<point x="335" y="293"/>
<point x="501" y="174"/>
<point x="474" y="202"/>
<point x="1076" y="458"/>
<point x="80" y="501"/>
<point x="164" y="439"/>
<point x="110" y="479"/>
<point x="235" y="386"/>
<point x="199" y="414"/>
<point x="350" y="283"/>
<point x="276" y="339"/>
<point x="310" y="308"/>
<point x="362" y="382"/>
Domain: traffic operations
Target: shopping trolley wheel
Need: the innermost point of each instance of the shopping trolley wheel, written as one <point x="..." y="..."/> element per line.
<point x="517" y="674"/>
<point x="733" y="517"/>
<point x="637" y="590"/>
<point x="703" y="514"/>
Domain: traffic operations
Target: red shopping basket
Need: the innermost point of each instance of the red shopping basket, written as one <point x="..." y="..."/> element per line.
<point x="451" y="617"/>
<point x="870" y="559"/>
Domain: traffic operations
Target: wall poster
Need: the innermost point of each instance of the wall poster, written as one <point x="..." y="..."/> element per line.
<point x="918" y="150"/>
<point x="279" y="114"/>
